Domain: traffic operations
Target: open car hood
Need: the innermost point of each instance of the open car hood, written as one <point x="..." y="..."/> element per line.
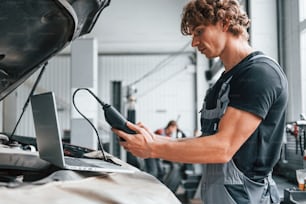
<point x="32" y="31"/>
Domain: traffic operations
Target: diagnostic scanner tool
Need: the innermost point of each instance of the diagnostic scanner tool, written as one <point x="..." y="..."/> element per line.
<point x="115" y="119"/>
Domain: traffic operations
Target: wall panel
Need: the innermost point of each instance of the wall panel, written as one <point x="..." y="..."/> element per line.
<point x="56" y="78"/>
<point x="166" y="93"/>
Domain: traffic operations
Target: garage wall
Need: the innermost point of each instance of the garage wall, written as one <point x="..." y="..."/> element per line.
<point x="140" y="26"/>
<point x="292" y="58"/>
<point x="263" y="30"/>
<point x="166" y="94"/>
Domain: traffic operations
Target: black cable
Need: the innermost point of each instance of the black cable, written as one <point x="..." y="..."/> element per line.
<point x="160" y="65"/>
<point x="29" y="97"/>
<point x="96" y="131"/>
<point x="161" y="83"/>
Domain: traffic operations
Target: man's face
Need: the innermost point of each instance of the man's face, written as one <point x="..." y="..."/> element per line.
<point x="209" y="40"/>
<point x="171" y="130"/>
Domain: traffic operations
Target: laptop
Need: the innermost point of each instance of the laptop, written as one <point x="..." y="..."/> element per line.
<point x="49" y="140"/>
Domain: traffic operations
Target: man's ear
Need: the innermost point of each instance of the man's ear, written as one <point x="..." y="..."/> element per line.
<point x="225" y="25"/>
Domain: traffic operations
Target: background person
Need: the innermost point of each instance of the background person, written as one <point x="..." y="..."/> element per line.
<point x="170" y="130"/>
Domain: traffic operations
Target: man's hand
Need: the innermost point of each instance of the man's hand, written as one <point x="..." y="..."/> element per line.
<point x="138" y="144"/>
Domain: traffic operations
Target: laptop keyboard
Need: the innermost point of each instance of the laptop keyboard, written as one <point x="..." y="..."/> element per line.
<point x="78" y="162"/>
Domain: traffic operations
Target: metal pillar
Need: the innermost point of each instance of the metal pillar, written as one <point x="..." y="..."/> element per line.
<point x="84" y="69"/>
<point x="116" y="102"/>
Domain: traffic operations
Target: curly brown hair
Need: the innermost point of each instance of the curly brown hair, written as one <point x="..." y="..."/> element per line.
<point x="209" y="12"/>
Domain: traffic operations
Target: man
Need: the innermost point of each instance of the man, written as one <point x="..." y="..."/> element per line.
<point x="243" y="115"/>
<point x="168" y="131"/>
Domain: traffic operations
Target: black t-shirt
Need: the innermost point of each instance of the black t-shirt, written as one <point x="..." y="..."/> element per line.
<point x="259" y="86"/>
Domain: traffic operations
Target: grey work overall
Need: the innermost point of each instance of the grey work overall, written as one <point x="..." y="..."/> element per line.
<point x="225" y="183"/>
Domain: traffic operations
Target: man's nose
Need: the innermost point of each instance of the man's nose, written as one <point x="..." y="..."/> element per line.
<point x="195" y="42"/>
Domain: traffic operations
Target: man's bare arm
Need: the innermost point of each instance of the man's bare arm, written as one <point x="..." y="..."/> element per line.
<point x="235" y="127"/>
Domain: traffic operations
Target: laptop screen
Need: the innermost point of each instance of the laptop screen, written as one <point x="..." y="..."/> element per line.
<point x="47" y="128"/>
